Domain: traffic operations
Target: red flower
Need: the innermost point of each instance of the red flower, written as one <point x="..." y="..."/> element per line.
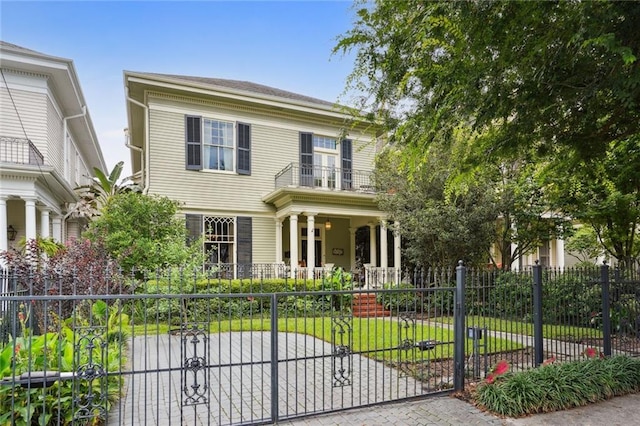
<point x="490" y="378"/>
<point x="21" y="316"/>
<point x="17" y="348"/>
<point x="590" y="353"/>
<point x="501" y="367"/>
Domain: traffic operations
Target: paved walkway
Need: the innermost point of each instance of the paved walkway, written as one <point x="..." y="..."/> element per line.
<point x="238" y="388"/>
<point x="449" y="411"/>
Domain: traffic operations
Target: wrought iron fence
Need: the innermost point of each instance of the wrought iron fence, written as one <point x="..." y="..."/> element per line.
<point x="182" y="347"/>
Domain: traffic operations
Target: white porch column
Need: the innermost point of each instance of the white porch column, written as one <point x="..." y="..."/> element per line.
<point x="278" y="240"/>
<point x="560" y="253"/>
<point x="56" y="228"/>
<point x="44" y="223"/>
<point x="30" y="218"/>
<point x="397" y="253"/>
<point x="293" y="243"/>
<point x="383" y="245"/>
<point x="372" y="245"/>
<point x="4" y="241"/>
<point x="311" y="244"/>
<point x="515" y="264"/>
<point x="352" y="248"/>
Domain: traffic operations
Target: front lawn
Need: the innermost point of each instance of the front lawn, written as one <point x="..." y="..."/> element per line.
<point x="375" y="337"/>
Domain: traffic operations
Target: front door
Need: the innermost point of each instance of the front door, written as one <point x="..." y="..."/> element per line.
<point x="318" y="253"/>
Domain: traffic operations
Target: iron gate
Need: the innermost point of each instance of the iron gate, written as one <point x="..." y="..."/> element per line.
<point x="237" y="375"/>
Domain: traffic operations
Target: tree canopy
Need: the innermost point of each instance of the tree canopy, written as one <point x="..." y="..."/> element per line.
<point x="533" y="73"/>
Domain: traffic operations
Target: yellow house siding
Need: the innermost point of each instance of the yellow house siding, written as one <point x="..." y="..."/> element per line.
<point x="264" y="246"/>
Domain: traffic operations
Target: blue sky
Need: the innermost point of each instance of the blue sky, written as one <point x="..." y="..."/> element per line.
<point x="284" y="44"/>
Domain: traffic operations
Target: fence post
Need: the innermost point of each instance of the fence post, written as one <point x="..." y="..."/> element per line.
<point x="274" y="358"/>
<point x="538" y="341"/>
<point x="459" y="337"/>
<point x="606" y="312"/>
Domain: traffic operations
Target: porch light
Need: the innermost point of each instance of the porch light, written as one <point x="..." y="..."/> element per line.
<point x="327" y="225"/>
<point x="11" y="233"/>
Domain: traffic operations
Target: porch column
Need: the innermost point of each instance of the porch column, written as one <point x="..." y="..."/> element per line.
<point x="352" y="248"/>
<point x="4" y="241"/>
<point x="30" y="218"/>
<point x="397" y="258"/>
<point x="372" y="245"/>
<point x="383" y="245"/>
<point x="56" y="228"/>
<point x="559" y="253"/>
<point x="514" y="247"/>
<point x="44" y="223"/>
<point x="293" y="243"/>
<point x="311" y="246"/>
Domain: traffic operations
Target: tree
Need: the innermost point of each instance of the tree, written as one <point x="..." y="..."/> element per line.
<point x="96" y="195"/>
<point x="448" y="211"/>
<point x="584" y="245"/>
<point x="143" y="232"/>
<point x="542" y="73"/>
<point x="439" y="228"/>
<point x="605" y="195"/>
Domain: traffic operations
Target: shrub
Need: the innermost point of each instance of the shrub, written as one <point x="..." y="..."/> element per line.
<point x="79" y="267"/>
<point x="192" y="296"/>
<point x="554" y="387"/>
<point x="53" y="352"/>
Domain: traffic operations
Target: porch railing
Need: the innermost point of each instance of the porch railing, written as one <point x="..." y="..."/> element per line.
<point x="19" y="151"/>
<point x="368" y="276"/>
<point x="330" y="178"/>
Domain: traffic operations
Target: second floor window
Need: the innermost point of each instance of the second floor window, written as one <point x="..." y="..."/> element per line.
<point x="218" y="145"/>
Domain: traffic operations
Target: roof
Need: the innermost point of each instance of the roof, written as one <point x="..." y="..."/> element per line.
<point x="24" y="51"/>
<point x="245" y="86"/>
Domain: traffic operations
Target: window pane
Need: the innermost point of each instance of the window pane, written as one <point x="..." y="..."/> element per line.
<point x="218" y="145"/>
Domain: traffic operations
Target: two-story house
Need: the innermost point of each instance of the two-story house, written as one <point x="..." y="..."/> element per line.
<point x="48" y="145"/>
<point x="266" y="177"/>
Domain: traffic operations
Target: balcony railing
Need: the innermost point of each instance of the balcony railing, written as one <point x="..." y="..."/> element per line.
<point x="19" y="151"/>
<point x="331" y="178"/>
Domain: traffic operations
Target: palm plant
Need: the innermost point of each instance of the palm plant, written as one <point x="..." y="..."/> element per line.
<point x="95" y="195"/>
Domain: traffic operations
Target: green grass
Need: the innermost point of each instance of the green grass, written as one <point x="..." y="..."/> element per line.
<point x="525" y="328"/>
<point x="368" y="336"/>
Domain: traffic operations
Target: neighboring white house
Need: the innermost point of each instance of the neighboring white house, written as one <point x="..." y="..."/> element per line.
<point x="259" y="172"/>
<point x="48" y="145"/>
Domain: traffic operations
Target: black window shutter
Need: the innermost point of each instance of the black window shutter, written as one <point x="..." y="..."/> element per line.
<point x="306" y="159"/>
<point x="193" y="136"/>
<point x="194" y="227"/>
<point x="347" y="163"/>
<point x="245" y="257"/>
<point x="244" y="148"/>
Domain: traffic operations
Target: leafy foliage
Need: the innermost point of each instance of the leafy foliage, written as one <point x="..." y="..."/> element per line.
<point x="79" y="267"/>
<point x="62" y="350"/>
<point x="96" y="195"/>
<point x="550" y="73"/>
<point x="143" y="233"/>
<point x="555" y="387"/>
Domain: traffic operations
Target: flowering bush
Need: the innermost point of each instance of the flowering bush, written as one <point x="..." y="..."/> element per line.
<point x="559" y="386"/>
<point x="498" y="370"/>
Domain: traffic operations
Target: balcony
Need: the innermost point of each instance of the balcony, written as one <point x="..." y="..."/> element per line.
<point x="329" y="178"/>
<point x="19" y="151"/>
